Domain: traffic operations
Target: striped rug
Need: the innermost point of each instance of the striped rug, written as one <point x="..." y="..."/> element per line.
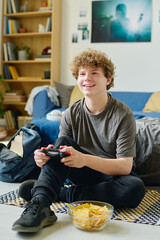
<point x="147" y="212"/>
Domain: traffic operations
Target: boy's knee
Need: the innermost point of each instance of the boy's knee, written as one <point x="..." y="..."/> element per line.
<point x="137" y="192"/>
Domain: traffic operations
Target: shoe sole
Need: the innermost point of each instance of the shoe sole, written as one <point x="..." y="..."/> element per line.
<point x="46" y="222"/>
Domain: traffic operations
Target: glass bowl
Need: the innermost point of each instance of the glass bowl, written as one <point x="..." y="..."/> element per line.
<point x="90" y="215"/>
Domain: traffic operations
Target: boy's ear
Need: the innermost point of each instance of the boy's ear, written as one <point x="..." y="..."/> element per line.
<point x="109" y="79"/>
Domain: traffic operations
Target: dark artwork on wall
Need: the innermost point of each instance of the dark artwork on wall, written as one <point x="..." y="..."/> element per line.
<point x="121" y="21"/>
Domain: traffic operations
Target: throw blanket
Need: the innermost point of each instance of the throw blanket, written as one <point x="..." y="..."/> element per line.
<point x="52" y="94"/>
<point x="148" y="150"/>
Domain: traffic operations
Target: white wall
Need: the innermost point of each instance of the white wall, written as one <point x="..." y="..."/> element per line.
<point x="137" y="64"/>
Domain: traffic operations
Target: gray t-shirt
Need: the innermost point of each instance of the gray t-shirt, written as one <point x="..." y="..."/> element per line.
<point x="111" y="133"/>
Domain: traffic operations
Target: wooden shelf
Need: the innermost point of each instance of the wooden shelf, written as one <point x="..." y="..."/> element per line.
<point x="42" y="60"/>
<point x="33" y="69"/>
<point x="30" y="14"/>
<point x="28" y="34"/>
<point x="45" y="81"/>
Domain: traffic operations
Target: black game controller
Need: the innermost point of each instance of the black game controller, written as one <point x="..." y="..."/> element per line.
<point x="51" y="152"/>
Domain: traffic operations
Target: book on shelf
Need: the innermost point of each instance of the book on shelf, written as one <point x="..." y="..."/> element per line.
<point x="6" y="116"/>
<point x="44" y="9"/>
<point x="6" y="20"/>
<point x="12" y="6"/>
<point x="43" y="56"/>
<point x="9" y="51"/>
<point x="5" y="52"/>
<point x="10" y="72"/>
<point x="16" y="98"/>
<point x="5" y="6"/>
<point x="11" y="117"/>
<point x="5" y="28"/>
<point x="13" y="72"/>
<point x="16" y="25"/>
<point x="15" y="5"/>
<point x="49" y="3"/>
<point x="48" y="25"/>
<point x="9" y="6"/>
<point x="11" y="47"/>
<point x="10" y="25"/>
<point x="8" y="97"/>
<point x="7" y="24"/>
<point x="6" y="71"/>
<point x="12" y="93"/>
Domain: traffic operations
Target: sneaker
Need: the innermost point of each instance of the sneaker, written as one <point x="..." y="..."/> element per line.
<point x="25" y="188"/>
<point x="35" y="217"/>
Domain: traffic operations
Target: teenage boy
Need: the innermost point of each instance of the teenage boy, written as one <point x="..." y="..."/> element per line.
<point x="99" y="132"/>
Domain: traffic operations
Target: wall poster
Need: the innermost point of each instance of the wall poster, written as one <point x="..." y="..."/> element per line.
<point x="121" y="21"/>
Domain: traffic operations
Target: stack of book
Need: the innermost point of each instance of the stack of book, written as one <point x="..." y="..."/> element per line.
<point x="10" y="72"/>
<point x="10" y="25"/>
<point x="15" y="96"/>
<point x="9" y="51"/>
<point x="12" y="6"/>
<point x="44" y="9"/>
<point x="11" y="117"/>
<point x="43" y="56"/>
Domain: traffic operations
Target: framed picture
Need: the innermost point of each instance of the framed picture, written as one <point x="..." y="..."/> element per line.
<point x="121" y="21"/>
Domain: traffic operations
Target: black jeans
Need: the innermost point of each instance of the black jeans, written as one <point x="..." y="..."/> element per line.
<point x="120" y="191"/>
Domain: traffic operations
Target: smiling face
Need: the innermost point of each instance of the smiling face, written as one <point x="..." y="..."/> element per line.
<point x="94" y="59"/>
<point x="92" y="81"/>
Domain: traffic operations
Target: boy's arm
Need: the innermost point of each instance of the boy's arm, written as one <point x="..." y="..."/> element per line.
<point x="116" y="166"/>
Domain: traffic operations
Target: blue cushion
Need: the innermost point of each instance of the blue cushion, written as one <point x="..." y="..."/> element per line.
<point x="139" y="115"/>
<point x="135" y="100"/>
<point x="48" y="130"/>
<point x="42" y="105"/>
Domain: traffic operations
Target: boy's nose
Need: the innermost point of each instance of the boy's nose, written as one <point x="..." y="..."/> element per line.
<point x="88" y="76"/>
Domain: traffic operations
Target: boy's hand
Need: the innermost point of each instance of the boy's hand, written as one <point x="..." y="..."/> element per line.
<point x="40" y="157"/>
<point x="76" y="159"/>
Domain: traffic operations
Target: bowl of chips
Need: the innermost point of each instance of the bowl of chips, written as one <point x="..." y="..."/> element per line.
<point x="90" y="215"/>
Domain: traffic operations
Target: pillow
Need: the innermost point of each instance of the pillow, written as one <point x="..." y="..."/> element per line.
<point x="75" y="95"/>
<point x="153" y="104"/>
<point x="42" y="105"/>
<point x="64" y="92"/>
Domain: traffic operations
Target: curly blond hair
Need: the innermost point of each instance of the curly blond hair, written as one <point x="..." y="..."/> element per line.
<point x="93" y="58"/>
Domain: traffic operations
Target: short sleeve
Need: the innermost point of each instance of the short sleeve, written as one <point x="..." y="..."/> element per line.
<point x="126" y="140"/>
<point x="65" y="125"/>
